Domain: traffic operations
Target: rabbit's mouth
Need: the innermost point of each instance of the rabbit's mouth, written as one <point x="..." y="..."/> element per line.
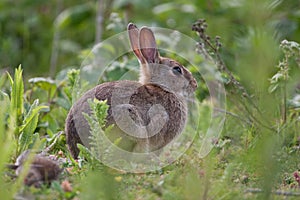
<point x="193" y="85"/>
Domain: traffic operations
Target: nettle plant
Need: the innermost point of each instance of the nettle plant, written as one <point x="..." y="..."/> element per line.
<point x="33" y="114"/>
<point x="290" y="105"/>
<point x="23" y="121"/>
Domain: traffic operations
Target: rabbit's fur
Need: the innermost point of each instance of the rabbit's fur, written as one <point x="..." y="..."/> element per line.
<point x="149" y="113"/>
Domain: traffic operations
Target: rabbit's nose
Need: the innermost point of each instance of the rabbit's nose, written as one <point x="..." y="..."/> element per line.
<point x="194" y="84"/>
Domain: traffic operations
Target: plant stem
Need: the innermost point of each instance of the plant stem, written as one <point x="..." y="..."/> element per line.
<point x="200" y="27"/>
<point x="99" y="21"/>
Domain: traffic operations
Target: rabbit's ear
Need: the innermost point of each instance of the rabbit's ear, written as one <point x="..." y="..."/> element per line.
<point x="133" y="33"/>
<point x="147" y="45"/>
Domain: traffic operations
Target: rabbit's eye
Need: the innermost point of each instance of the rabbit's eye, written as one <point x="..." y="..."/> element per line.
<point x="177" y="70"/>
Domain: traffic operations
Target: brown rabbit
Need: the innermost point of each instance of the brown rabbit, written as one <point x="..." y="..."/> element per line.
<point x="149" y="113"/>
<point x="42" y="169"/>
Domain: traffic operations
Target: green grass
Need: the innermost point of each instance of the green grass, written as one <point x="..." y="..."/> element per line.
<point x="256" y="156"/>
<point x="246" y="156"/>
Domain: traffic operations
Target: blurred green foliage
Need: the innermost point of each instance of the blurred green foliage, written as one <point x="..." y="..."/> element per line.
<point x="40" y="34"/>
<point x="259" y="146"/>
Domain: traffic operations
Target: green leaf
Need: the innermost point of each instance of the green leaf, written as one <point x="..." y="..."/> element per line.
<point x="4" y="102"/>
<point x="29" y="125"/>
<point x="10" y="79"/>
<point x="86" y="153"/>
<point x="17" y="92"/>
<point x="35" y="139"/>
<point x="6" y="146"/>
<point x="63" y="102"/>
<point x="3" y="79"/>
<point x="26" y="136"/>
<point x="16" y="102"/>
<point x="273" y="87"/>
<point x="33" y="111"/>
<point x="74" y="16"/>
<point x="46" y="84"/>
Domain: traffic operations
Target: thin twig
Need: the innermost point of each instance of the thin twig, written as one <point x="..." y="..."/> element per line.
<point x="233" y="115"/>
<point x="99" y="21"/>
<point x="103" y="10"/>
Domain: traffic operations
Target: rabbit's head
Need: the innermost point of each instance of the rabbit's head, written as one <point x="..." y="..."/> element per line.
<point x="164" y="72"/>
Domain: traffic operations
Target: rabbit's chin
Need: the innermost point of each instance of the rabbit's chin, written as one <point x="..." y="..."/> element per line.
<point x="188" y="95"/>
<point x="184" y="96"/>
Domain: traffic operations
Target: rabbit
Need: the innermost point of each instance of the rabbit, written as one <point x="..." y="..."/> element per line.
<point x="148" y="113"/>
